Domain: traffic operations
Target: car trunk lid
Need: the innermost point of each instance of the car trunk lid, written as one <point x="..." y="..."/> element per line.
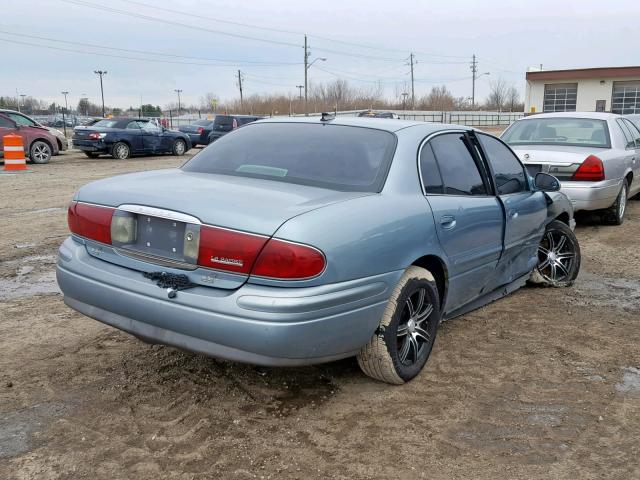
<point x="167" y="205"/>
<point x="562" y="162"/>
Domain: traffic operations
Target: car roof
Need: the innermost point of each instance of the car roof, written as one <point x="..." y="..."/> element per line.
<point x="585" y="115"/>
<point x="368" y="122"/>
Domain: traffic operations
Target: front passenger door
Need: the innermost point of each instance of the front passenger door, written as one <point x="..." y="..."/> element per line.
<point x="525" y="210"/>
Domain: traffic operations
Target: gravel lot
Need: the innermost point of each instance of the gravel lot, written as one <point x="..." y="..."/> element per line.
<point x="542" y="384"/>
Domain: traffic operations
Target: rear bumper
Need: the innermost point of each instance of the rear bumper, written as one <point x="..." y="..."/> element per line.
<point x="88" y="146"/>
<point x="197" y="139"/>
<point x="592" y="196"/>
<point x="254" y="324"/>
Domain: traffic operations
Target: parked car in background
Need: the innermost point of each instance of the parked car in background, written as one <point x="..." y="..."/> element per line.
<point x="224" y="124"/>
<point x="22" y="119"/>
<point x="596" y="157"/>
<point x="124" y="137"/>
<point x="39" y="144"/>
<point x="301" y="241"/>
<point x="198" y="131"/>
<point x="373" y="114"/>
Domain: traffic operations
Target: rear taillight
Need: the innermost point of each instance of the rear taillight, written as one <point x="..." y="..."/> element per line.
<point x="96" y="136"/>
<point x="288" y="261"/>
<point x="591" y="170"/>
<point x="245" y="253"/>
<point x="90" y="221"/>
<point x="200" y="131"/>
<point x="228" y="250"/>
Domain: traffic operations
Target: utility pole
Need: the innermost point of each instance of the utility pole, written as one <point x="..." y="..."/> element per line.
<point x="306" y="68"/>
<point x="474" y="71"/>
<point x="413" y="91"/>
<point x="300" y="87"/>
<point x="240" y="87"/>
<point x="178" y="91"/>
<point x="64" y="121"/>
<point x="101" y="73"/>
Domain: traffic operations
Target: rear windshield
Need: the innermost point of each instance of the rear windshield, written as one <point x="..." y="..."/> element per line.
<point x="223" y="123"/>
<point x="106" y="123"/>
<point x="337" y="157"/>
<point x="202" y="123"/>
<point x="580" y="132"/>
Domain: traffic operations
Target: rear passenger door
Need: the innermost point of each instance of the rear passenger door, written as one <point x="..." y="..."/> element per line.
<point x="632" y="136"/>
<point x="525" y="210"/>
<point x="468" y="217"/>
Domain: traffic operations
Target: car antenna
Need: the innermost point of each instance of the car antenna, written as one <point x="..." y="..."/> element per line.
<point x="327" y="117"/>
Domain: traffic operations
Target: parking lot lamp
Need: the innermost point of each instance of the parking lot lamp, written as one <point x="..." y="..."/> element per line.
<point x="178" y="91"/>
<point x="101" y="73"/>
<point x="66" y="107"/>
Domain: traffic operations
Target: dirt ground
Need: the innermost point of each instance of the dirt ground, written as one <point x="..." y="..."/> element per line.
<point x="542" y="384"/>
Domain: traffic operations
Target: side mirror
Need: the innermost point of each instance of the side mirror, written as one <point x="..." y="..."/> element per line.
<point x="546" y="182"/>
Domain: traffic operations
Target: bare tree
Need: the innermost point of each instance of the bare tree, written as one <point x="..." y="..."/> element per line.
<point x="513" y="100"/>
<point x="440" y="98"/>
<point x="209" y="102"/>
<point x="497" y="99"/>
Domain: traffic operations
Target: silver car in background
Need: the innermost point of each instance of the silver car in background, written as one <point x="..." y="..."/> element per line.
<point x="596" y="157"/>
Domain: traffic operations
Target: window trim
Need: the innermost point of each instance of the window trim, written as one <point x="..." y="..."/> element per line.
<point x="488" y="182"/>
<point x="632" y="127"/>
<point x="487" y="161"/>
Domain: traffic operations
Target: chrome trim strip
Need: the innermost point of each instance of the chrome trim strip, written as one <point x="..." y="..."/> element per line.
<point x="161" y="261"/>
<point x="160" y="212"/>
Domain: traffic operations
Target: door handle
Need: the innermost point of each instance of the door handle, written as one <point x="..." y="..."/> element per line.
<point x="448" y="222"/>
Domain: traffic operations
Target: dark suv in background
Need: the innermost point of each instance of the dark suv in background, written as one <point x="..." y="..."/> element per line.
<point x="224" y="124"/>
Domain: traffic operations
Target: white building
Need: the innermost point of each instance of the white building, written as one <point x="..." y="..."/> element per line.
<point x="615" y="89"/>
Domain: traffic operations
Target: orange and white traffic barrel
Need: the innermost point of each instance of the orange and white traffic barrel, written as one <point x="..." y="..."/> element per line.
<point x="13" y="153"/>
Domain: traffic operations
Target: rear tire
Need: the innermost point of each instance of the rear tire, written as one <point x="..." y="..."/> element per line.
<point x="402" y="343"/>
<point x="179" y="147"/>
<point x="40" y="152"/>
<point x="558" y="257"/>
<point x="121" y="151"/>
<point x="91" y="154"/>
<point x="615" y="214"/>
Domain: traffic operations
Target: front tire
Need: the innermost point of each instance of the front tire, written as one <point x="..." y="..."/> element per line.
<point x="615" y="214"/>
<point x="402" y="343"/>
<point x="121" y="151"/>
<point x="40" y="152"/>
<point x="179" y="147"/>
<point x="558" y="257"/>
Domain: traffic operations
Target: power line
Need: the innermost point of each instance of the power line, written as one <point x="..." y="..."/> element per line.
<point x="220" y="32"/>
<point x="125" y="57"/>
<point x="148" y="52"/>
<point x="290" y="32"/>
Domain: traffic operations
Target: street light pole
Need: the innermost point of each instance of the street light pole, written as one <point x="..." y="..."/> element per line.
<point x="64" y="120"/>
<point x="101" y="73"/>
<point x="22" y="95"/>
<point x="178" y="91"/>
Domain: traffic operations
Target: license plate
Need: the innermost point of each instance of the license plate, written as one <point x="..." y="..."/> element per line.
<point x="160" y="236"/>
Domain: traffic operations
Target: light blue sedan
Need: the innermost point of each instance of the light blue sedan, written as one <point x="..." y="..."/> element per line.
<point x="300" y="241"/>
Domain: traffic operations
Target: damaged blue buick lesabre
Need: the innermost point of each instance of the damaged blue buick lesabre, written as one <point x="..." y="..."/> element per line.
<point x="300" y="241"/>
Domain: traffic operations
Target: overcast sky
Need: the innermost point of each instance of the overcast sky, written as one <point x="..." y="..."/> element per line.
<point x="507" y="37"/>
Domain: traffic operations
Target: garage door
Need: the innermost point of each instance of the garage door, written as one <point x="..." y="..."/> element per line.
<point x="626" y="97"/>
